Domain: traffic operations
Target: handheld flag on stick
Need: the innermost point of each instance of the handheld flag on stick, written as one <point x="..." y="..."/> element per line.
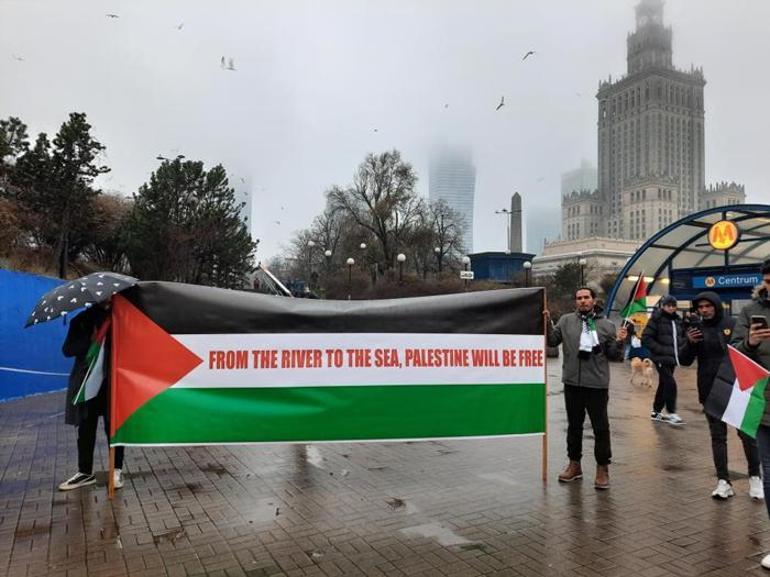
<point x="637" y="300"/>
<point x="95" y="361"/>
<point x="738" y="394"/>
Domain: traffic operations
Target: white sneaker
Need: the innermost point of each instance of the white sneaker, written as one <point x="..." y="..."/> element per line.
<point x="756" y="491"/>
<point x="673" y="419"/>
<point x="723" y="491"/>
<point x="117" y="479"/>
<point x="655" y="416"/>
<point x="765" y="562"/>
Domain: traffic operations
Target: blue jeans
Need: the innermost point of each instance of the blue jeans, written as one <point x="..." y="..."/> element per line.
<point x="763" y="440"/>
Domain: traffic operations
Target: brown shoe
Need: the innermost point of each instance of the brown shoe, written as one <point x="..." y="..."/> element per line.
<point x="602" y="477"/>
<point x="573" y="472"/>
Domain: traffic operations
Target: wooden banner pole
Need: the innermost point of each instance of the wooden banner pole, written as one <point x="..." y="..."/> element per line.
<point x="545" y="390"/>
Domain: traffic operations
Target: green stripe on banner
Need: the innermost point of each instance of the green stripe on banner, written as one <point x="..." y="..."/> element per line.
<point x="342" y="413"/>
<point x="755" y="409"/>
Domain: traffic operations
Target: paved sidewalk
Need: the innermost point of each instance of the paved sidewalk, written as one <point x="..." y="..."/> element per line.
<point x="452" y="508"/>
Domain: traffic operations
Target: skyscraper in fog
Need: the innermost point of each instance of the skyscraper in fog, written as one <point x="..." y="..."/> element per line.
<point x="452" y="178"/>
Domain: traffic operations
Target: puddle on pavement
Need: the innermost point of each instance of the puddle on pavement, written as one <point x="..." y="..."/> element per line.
<point x="445" y="537"/>
<point x="313" y="456"/>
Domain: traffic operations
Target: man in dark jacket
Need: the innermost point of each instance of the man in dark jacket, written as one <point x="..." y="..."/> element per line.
<point x="588" y="340"/>
<point x="664" y="338"/>
<point x="753" y="340"/>
<point x="707" y="341"/>
<point x="85" y="415"/>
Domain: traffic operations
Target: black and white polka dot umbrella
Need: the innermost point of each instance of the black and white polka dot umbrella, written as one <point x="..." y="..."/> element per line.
<point x="83" y="292"/>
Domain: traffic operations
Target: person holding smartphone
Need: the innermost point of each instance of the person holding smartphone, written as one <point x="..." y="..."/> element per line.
<point x="752" y="338"/>
<point x="708" y="334"/>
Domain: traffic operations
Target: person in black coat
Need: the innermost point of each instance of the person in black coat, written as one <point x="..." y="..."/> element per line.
<point x="664" y="338"/>
<point x="85" y="415"/>
<point x="707" y="340"/>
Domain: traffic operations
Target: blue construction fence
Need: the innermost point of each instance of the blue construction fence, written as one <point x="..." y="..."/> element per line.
<point x="31" y="360"/>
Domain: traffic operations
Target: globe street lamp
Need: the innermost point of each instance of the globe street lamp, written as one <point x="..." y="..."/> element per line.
<point x="362" y="246"/>
<point x="466" y="263"/>
<point x="437" y="250"/>
<point x="401" y="258"/>
<point x="507" y="214"/>
<point x="350" y="262"/>
<point x="582" y="262"/>
<point x="527" y="268"/>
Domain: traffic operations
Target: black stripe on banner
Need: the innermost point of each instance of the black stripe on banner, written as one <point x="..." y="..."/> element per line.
<point x="191" y="309"/>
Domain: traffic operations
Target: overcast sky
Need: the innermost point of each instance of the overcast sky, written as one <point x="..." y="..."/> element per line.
<point x="313" y="81"/>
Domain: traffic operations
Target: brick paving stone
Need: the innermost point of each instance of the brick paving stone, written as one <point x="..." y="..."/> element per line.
<point x="420" y="509"/>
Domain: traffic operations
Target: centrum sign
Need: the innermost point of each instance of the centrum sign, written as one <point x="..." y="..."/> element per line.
<point x="726" y="281"/>
<point x="723" y="235"/>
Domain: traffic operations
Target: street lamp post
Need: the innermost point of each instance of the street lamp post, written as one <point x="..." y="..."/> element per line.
<point x="362" y="246"/>
<point x="401" y="258"/>
<point x="507" y="214"/>
<point x="527" y="268"/>
<point x="350" y="262"/>
<point x="310" y="245"/>
<point x="582" y="262"/>
<point x="437" y="250"/>
<point x="466" y="264"/>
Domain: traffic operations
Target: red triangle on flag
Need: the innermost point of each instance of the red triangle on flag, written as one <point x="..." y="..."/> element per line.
<point x="747" y="371"/>
<point x="146" y="361"/>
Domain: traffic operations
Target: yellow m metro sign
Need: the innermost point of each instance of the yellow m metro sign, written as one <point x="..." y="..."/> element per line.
<point x="723" y="235"/>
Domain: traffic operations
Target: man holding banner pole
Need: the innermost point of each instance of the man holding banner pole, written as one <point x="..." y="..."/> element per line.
<point x="588" y="342"/>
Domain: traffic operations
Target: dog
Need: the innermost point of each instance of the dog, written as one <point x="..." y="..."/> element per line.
<point x="642" y="372"/>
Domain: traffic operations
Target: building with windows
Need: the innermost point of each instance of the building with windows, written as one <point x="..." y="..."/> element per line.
<point x="452" y="178"/>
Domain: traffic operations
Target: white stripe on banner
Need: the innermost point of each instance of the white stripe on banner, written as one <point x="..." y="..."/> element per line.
<point x="736" y="406"/>
<point x="339" y="359"/>
<point x="31" y="372"/>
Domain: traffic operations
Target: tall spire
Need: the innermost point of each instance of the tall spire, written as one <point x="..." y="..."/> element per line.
<point x="649" y="46"/>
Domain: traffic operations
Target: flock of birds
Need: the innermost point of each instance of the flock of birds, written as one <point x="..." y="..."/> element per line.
<point x="229" y="63"/>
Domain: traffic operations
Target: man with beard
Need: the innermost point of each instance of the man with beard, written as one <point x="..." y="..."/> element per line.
<point x="707" y="340"/>
<point x="588" y="342"/>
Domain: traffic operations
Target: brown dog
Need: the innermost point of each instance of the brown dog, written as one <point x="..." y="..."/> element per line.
<point x="642" y="372"/>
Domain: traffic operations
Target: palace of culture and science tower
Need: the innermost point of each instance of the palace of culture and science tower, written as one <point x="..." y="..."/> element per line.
<point x="650" y="144"/>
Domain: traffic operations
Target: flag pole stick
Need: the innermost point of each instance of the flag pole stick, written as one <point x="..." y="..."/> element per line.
<point x="111" y="475"/>
<point x="544" y="464"/>
<point x="633" y="294"/>
<point x="110" y="411"/>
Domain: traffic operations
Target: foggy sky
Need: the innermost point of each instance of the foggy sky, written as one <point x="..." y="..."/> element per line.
<point x="315" y="79"/>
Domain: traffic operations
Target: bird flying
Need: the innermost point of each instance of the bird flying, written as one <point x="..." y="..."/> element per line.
<point x="528" y="54"/>
<point x="278" y="222"/>
<point x="181" y="25"/>
<point x="230" y="64"/>
<point x="19" y="58"/>
<point x="222" y="63"/>
<point x="502" y="103"/>
<point x="112" y="16"/>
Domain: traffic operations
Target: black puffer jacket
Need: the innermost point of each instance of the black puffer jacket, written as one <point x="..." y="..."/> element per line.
<point x="664" y="338"/>
<point x="77" y="343"/>
<point x="710" y="352"/>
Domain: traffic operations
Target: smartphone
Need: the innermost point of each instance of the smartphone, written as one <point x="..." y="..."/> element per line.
<point x="759" y="320"/>
<point x="696" y="323"/>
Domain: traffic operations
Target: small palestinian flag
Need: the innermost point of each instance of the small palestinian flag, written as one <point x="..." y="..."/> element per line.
<point x="95" y="361"/>
<point x="738" y="394"/>
<point x="637" y="300"/>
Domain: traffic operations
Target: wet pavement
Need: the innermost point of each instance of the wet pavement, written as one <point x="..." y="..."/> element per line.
<point x="448" y="508"/>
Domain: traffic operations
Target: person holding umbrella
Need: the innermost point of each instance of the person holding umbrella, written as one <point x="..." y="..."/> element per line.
<point x="88" y="340"/>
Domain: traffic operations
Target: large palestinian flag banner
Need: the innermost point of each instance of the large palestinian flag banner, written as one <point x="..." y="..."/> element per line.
<point x="199" y="365"/>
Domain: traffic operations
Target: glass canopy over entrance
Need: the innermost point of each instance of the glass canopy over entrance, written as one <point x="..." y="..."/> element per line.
<point x="682" y="259"/>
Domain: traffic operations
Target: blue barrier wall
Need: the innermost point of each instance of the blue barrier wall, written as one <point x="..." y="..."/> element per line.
<point x="30" y="359"/>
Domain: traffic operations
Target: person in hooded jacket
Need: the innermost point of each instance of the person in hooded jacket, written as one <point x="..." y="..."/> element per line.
<point x="664" y="338"/>
<point x="85" y="415"/>
<point x="707" y="341"/>
<point x="753" y="340"/>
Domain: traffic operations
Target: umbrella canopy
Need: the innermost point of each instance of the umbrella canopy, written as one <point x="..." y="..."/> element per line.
<point x="83" y="292"/>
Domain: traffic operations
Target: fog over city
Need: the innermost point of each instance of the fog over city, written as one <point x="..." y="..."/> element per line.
<point x="309" y="88"/>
